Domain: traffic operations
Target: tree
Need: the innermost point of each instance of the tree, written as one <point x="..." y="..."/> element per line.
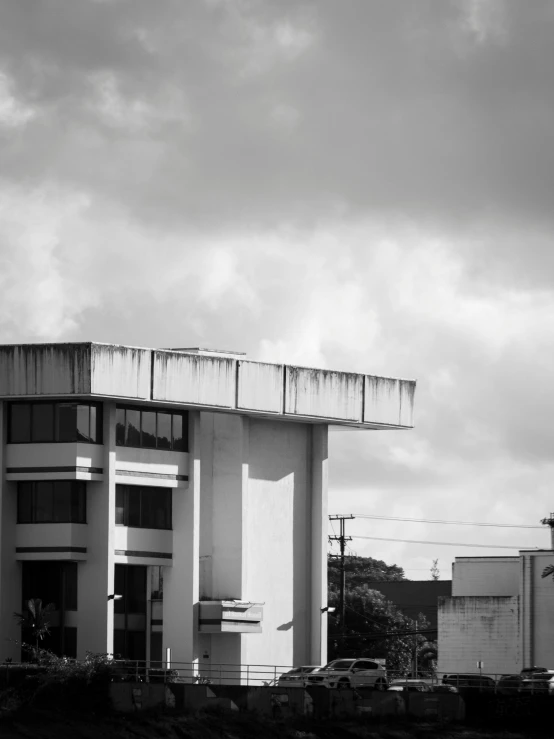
<point x="36" y="619"/>
<point x="360" y="570"/>
<point x="435" y="572"/>
<point x="374" y="627"/>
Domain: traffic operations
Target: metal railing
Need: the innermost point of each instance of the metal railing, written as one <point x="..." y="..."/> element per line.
<point x="268" y="675"/>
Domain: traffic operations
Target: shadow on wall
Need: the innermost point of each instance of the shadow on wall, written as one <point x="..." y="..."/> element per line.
<point x="277" y="449"/>
<point x="285" y="627"/>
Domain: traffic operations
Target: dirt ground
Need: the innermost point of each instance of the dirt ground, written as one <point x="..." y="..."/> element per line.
<point x="47" y="725"/>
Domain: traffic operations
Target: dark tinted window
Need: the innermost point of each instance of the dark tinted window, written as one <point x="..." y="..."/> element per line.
<point x="55" y="422"/>
<point x="179" y="434"/>
<point x="366" y="665"/>
<point x="42" y="428"/>
<point x="164" y="431"/>
<point x="133" y="507"/>
<point x="150" y="429"/>
<point x="25" y="502"/>
<point x="84" y="432"/>
<point x="132" y="428"/>
<point x="120" y="426"/>
<point x="51" y="501"/>
<point x="120" y="505"/>
<point x="20" y="423"/>
<point x="52" y="582"/>
<point x="143" y="507"/>
<point x="130" y="582"/>
<point x="66" y="421"/>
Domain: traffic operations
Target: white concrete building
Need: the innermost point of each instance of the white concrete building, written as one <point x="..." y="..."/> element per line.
<point x="192" y="483"/>
<point x="500" y="613"/>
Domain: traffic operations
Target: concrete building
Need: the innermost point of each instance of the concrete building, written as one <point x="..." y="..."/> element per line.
<point x="415" y="597"/>
<point x="500" y="613"/>
<point x="173" y="498"/>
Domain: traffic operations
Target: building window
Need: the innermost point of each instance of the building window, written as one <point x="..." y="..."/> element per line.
<point x="143" y="507"/>
<point x="43" y="422"/>
<point x="52" y="582"/>
<point x="150" y="429"/>
<point x="130" y="612"/>
<point x="51" y="501"/>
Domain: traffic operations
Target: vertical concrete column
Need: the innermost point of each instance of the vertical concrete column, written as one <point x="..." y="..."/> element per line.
<point x="96" y="575"/>
<point x="319" y="495"/>
<point x="10" y="568"/>
<point x="526" y="611"/>
<point x="181" y="581"/>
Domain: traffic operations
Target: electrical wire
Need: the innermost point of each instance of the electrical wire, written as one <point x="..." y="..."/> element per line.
<point x="444" y="543"/>
<point x="456" y="523"/>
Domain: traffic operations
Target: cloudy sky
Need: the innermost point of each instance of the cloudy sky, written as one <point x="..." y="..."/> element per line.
<point x="359" y="185"/>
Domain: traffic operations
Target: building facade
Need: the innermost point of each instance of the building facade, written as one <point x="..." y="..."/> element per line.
<point x="500" y="614"/>
<point x="173" y="499"/>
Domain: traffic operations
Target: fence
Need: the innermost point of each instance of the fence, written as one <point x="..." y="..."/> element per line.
<point x="268" y="675"/>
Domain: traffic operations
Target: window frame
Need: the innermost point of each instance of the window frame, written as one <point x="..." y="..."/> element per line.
<point x="157" y="411"/>
<point x="138" y="491"/>
<point x="98" y="416"/>
<point x="76" y="487"/>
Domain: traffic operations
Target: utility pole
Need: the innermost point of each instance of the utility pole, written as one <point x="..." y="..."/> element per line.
<point x="342" y="539"/>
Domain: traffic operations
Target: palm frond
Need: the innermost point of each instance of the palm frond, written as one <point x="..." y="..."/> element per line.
<point x="548" y="571"/>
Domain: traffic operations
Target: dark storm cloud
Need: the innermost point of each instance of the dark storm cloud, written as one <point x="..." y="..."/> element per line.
<point x="393" y="107"/>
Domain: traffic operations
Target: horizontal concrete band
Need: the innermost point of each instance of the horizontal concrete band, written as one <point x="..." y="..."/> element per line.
<point x="219" y="621"/>
<point x="152" y="475"/>
<point x="33" y="470"/>
<point x="135" y="553"/>
<point x="206" y="380"/>
<point x="37" y="550"/>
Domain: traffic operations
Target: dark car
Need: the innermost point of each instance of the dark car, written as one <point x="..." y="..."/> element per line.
<point x="509" y="684"/>
<point x="470" y="682"/>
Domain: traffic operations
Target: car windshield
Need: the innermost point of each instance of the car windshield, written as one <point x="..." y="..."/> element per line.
<point x="340" y="664"/>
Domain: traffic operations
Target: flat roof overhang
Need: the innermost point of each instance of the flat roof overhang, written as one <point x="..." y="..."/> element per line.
<point x="208" y="382"/>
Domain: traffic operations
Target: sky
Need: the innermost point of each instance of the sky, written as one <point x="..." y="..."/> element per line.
<point x="364" y="186"/>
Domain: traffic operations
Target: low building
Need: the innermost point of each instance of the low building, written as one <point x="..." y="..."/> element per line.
<point x="173" y="499"/>
<point x="499" y="615"/>
<point x="415" y="598"/>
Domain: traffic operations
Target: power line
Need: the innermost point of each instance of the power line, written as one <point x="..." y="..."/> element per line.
<point x="443" y="543"/>
<point x="457" y="523"/>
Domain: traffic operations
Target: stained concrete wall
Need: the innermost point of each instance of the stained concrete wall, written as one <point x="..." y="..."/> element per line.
<point x="263" y="502"/>
<point x="485" y="576"/>
<point x="478" y="628"/>
<point x="204" y="380"/>
<point x="537" y="609"/>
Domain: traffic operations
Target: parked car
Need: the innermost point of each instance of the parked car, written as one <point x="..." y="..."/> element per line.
<point x="470" y="681"/>
<point x="410" y="686"/>
<point x="350" y="673"/>
<point x="297" y="677"/>
<point x="538" y="682"/>
<point x="441" y="688"/>
<point x="532" y="670"/>
<point x="509" y="684"/>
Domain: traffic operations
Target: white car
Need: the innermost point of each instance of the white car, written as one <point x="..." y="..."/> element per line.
<point x="350" y="673"/>
<point x="410" y="686"/>
<point x="297" y="677"/>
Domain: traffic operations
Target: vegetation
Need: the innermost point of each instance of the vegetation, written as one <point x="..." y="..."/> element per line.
<point x="375" y="627"/>
<point x="36" y="619"/>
